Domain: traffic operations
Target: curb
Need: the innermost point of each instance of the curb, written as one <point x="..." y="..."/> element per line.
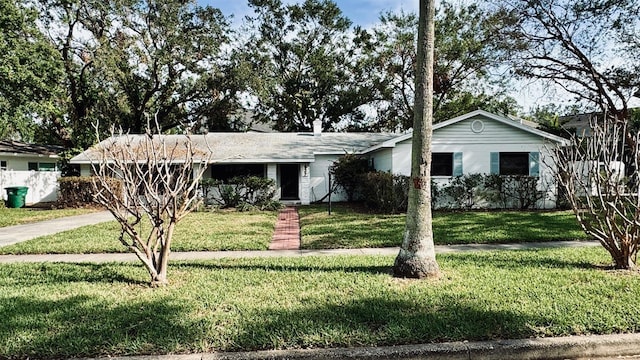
<point x="570" y="347"/>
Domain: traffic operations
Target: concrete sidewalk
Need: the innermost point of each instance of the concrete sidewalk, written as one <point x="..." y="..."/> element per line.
<point x="14" y="234"/>
<point x="617" y="346"/>
<point x="210" y="255"/>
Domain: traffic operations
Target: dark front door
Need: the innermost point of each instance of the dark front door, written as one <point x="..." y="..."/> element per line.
<point x="289" y="181"/>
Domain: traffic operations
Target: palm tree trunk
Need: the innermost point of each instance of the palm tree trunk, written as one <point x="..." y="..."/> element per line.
<point x="417" y="258"/>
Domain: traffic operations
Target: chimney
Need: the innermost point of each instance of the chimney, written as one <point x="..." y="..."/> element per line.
<point x="317" y="127"/>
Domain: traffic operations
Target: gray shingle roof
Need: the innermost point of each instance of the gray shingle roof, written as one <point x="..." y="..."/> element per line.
<point x="262" y="147"/>
<point x="17" y="147"/>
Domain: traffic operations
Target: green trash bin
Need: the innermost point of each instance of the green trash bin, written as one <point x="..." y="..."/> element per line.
<point x="15" y="196"/>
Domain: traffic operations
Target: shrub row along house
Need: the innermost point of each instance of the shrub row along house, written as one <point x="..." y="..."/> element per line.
<point x="477" y="142"/>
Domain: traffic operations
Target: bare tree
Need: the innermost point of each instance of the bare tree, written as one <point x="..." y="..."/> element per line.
<point x="158" y="187"/>
<point x="605" y="202"/>
<point x="417" y="257"/>
<point x="586" y="48"/>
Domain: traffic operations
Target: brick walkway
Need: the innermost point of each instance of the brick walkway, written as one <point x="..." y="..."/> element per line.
<point x="287" y="233"/>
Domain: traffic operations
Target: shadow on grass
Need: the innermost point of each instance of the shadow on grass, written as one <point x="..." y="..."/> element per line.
<point x="51" y="273"/>
<point x="80" y="326"/>
<point x="380" y="321"/>
<point x="286" y="268"/>
<point x="517" y="260"/>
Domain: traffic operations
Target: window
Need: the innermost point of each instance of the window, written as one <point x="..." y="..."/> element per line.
<point x="446" y="164"/>
<point x="43" y="166"/>
<point x="226" y="172"/>
<point x="3" y="165"/>
<point x="515" y="163"/>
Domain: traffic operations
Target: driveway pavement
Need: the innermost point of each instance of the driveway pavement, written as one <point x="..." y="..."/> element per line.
<point x="14" y="234"/>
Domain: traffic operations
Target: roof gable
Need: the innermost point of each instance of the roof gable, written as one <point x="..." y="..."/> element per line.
<point x="471" y="115"/>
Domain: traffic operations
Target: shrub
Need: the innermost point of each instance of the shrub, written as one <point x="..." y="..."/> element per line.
<point x="348" y="172"/>
<point x="384" y="192"/>
<point x="464" y="191"/>
<point x="517" y="191"/>
<point x="242" y="192"/>
<point x="78" y="191"/>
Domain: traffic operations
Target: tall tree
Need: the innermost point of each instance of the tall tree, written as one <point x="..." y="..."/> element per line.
<point x="465" y="53"/>
<point x="417" y="258"/>
<point x="583" y="47"/>
<point x="302" y="53"/>
<point x="29" y="72"/>
<point x="128" y="60"/>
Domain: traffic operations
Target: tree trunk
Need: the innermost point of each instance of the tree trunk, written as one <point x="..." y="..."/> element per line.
<point x="417" y="258"/>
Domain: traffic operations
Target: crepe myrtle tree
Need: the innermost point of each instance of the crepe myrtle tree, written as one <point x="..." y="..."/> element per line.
<point x="158" y="188"/>
<point x="600" y="178"/>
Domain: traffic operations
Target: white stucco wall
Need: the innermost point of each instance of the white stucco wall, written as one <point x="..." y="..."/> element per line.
<point x="319" y="179"/>
<point x="43" y="185"/>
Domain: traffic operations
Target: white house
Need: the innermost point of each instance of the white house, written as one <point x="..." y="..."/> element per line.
<point x="478" y="142"/>
<point x="30" y="165"/>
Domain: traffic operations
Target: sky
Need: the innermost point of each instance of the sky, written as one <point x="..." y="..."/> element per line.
<point x="360" y="12"/>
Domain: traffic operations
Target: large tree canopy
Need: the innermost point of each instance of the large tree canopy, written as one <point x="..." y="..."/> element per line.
<point x="466" y="50"/>
<point x="131" y="60"/>
<point x="29" y="72"/>
<point x="303" y="55"/>
<point x="588" y="48"/>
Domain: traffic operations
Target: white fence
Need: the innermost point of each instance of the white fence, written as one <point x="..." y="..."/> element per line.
<point x="43" y="185"/>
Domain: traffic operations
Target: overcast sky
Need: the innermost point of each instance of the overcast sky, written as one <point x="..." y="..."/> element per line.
<point x="360" y="12"/>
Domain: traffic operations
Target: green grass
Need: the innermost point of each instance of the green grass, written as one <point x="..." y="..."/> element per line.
<point x="9" y="217"/>
<point x="199" y="231"/>
<point x="58" y="310"/>
<point x="349" y="227"/>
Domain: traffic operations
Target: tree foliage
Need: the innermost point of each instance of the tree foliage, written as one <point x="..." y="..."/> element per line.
<point x="124" y="59"/>
<point x="465" y="53"/>
<point x="303" y="56"/>
<point x="29" y="72"/>
<point x="585" y="48"/>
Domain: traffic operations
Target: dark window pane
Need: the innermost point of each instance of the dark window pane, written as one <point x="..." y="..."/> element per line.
<point x="3" y="165"/>
<point x="33" y="166"/>
<point x="441" y="164"/>
<point x="47" y="166"/>
<point x="226" y="172"/>
<point x="514" y="163"/>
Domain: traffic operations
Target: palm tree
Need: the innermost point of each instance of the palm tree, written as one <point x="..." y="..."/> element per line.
<point x="417" y="257"/>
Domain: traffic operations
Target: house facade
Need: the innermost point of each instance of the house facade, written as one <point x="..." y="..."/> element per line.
<point x="30" y="165"/>
<point x="478" y="142"/>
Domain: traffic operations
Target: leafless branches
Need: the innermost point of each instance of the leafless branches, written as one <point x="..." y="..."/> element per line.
<point x="605" y="201"/>
<point x="159" y="176"/>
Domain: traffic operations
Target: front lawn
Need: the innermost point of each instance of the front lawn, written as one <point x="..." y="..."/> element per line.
<point x="57" y="310"/>
<point x="9" y="217"/>
<point x="349" y="227"/>
<point x="199" y="231"/>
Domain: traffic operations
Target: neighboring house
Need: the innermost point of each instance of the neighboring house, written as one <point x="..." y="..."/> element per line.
<point x="478" y="142"/>
<point x="30" y="165"/>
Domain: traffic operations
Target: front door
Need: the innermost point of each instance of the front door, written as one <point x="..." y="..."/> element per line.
<point x="289" y="174"/>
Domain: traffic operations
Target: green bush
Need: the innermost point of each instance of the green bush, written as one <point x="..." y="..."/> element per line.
<point x="348" y="172"/>
<point x="464" y="191"/>
<point x="384" y="192"/>
<point x="77" y="191"/>
<point x="514" y="191"/>
<point x="242" y="192"/>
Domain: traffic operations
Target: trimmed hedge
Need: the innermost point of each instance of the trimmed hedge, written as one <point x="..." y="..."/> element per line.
<point x="77" y="191"/>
